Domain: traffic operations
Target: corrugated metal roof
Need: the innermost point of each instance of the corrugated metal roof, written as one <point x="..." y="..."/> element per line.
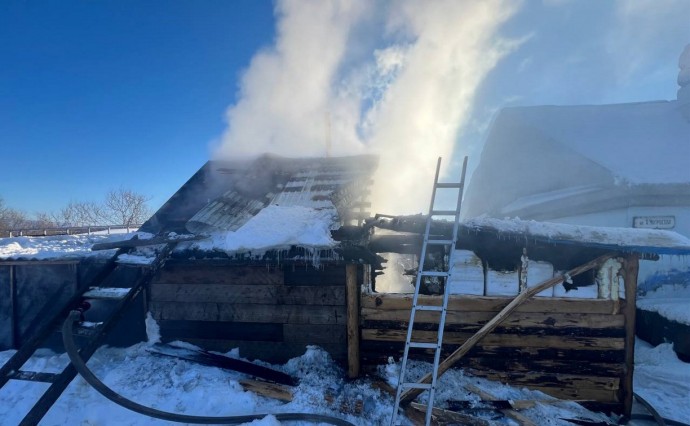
<point x="224" y="195"/>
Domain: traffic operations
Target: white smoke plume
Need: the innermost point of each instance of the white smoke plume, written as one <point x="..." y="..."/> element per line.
<point x="350" y="77"/>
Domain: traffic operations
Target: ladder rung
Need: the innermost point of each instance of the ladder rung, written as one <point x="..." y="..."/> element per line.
<point x="423" y="345"/>
<point x="415" y="385"/>
<point x="34" y="376"/>
<point x="440" y="242"/>
<point x="429" y="308"/>
<point x="449" y="185"/>
<point x="106" y="293"/>
<point x="433" y="273"/>
<point x="443" y="213"/>
<point x="87" y="329"/>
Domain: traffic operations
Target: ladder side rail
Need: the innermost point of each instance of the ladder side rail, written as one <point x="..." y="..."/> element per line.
<point x="446" y="293"/>
<point x="415" y="298"/>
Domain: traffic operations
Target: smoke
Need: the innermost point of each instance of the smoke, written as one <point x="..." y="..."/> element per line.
<point x="350" y="77"/>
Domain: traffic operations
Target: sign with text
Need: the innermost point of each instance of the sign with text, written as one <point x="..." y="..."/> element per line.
<point x="654" y="222"/>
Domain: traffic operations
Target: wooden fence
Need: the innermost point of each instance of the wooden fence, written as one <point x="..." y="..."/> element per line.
<point x="66" y="230"/>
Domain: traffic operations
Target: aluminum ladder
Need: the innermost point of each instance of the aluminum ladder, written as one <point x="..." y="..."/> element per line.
<point x="441" y="310"/>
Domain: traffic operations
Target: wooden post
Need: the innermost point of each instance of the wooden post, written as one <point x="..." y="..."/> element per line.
<point x="13" y="307"/>
<point x="352" y="294"/>
<point x="630" y="269"/>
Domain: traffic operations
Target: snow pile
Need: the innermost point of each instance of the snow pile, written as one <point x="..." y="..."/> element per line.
<point x="59" y="246"/>
<point x="275" y="227"/>
<point x="608" y="236"/>
<point x="670" y="301"/>
<point x="663" y="380"/>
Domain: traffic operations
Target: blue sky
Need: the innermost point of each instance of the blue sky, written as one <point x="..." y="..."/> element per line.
<point x="96" y="95"/>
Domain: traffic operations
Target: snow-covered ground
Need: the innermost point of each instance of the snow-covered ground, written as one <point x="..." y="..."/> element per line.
<point x="670" y="301"/>
<point x="663" y="380"/>
<point x="184" y="387"/>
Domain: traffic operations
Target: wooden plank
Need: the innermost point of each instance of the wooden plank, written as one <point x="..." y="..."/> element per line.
<point x="259" y="293"/>
<point x="486" y="396"/>
<point x="514" y="319"/>
<point x="410" y="394"/>
<point x="393" y="301"/>
<point x="379" y="351"/>
<point x="273" y="352"/>
<point x="204" y="274"/>
<point x="547" y="330"/>
<point x="630" y="270"/>
<point x="182" y="329"/>
<point x="514" y="340"/>
<point x="548" y="380"/>
<point x="352" y="288"/>
<point x="527" y="364"/>
<point x="306" y="275"/>
<point x="269" y="390"/>
<point x="314" y="334"/>
<point x="292" y="314"/>
<point x="223" y="361"/>
<point x="440" y="416"/>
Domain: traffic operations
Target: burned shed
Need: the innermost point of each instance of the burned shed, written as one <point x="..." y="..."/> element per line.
<point x="270" y="276"/>
<point x="574" y="339"/>
<point x="255" y="285"/>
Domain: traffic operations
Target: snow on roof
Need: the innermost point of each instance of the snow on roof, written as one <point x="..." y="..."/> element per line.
<point x="224" y="195"/>
<point x="274" y="227"/>
<point x="647" y="142"/>
<point x="57" y="246"/>
<point x="626" y="239"/>
<point x="608" y="149"/>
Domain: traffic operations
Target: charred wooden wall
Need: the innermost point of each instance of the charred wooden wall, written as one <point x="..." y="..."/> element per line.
<point x="267" y="312"/>
<point x="569" y="348"/>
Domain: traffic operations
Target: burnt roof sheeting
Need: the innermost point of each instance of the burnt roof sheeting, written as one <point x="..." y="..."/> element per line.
<point x="223" y="195"/>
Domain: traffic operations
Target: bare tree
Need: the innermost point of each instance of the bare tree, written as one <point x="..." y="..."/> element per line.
<point x="11" y="218"/>
<point x="81" y="213"/>
<point x="43" y="220"/>
<point x="126" y="207"/>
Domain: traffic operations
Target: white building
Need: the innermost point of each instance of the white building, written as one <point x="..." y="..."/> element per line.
<point x="625" y="165"/>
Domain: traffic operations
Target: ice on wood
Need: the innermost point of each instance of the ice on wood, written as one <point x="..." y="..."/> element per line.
<point x="466" y="274"/>
<point x="538" y="272"/>
<point x="502" y="283"/>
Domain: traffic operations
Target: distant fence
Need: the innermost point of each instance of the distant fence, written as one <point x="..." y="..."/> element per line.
<point x="67" y="230"/>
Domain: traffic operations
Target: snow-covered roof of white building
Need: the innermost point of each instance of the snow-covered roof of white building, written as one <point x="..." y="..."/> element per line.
<point x="544" y="155"/>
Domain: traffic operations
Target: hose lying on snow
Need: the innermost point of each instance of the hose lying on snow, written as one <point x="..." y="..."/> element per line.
<point x="83" y="370"/>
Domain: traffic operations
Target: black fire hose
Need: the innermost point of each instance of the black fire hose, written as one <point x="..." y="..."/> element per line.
<point x="83" y="370"/>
